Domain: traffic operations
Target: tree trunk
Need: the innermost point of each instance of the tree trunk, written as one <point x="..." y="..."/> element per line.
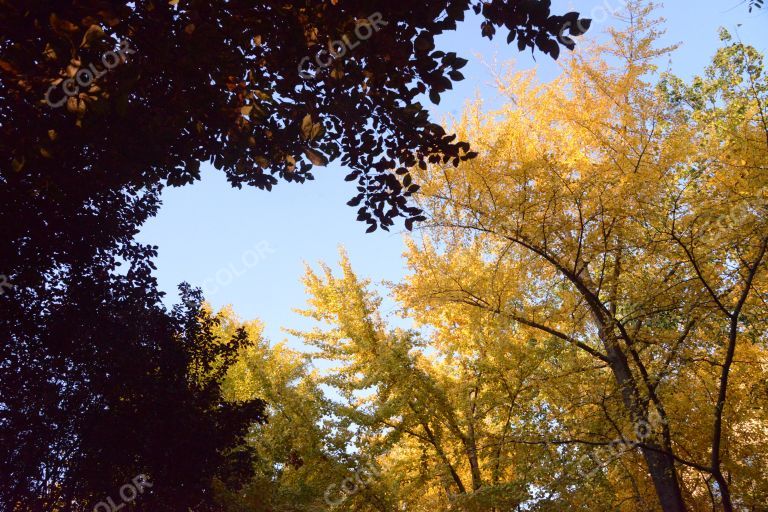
<point x="661" y="465"/>
<point x="471" y="449"/>
<point x="662" y="469"/>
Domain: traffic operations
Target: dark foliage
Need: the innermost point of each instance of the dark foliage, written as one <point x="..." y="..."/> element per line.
<point x="106" y="385"/>
<point x="219" y="81"/>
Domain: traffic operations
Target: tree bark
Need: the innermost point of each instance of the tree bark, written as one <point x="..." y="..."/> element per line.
<point x="661" y="465"/>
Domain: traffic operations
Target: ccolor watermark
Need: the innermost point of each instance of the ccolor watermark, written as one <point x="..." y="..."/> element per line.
<point x="226" y="275"/>
<point x="364" y="29"/>
<point x="740" y="214"/>
<point x="351" y="485"/>
<point x="602" y="456"/>
<point x="598" y="14"/>
<point x="85" y="77"/>
<point x="128" y="494"/>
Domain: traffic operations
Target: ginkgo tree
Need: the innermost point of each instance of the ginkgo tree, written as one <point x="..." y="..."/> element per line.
<point x="622" y="213"/>
<point x="301" y="450"/>
<point x="436" y="414"/>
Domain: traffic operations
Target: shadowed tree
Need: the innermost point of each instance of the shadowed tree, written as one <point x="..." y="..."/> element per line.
<point x="219" y="82"/>
<point x="108" y="385"/>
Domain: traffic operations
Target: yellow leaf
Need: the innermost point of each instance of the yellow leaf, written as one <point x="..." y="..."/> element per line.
<point x="94" y="33"/>
<point x="316" y="157"/>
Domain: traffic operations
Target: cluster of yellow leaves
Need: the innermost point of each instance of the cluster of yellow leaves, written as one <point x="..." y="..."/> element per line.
<point x="625" y="221"/>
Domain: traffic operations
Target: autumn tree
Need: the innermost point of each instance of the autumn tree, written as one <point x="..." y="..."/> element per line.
<point x="623" y="214"/>
<point x="588" y="312"/>
<point x="302" y="449"/>
<point x="438" y="410"/>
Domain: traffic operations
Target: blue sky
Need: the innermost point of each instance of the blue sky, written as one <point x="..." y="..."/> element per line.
<point x="247" y="247"/>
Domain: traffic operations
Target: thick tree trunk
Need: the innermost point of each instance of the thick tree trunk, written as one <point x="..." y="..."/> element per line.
<point x="471" y="448"/>
<point x="474" y="467"/>
<point x="662" y="469"/>
<point x="661" y="466"/>
<point x="725" y="491"/>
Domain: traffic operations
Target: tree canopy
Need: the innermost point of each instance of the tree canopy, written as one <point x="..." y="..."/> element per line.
<point x="103" y="104"/>
<point x="107" y="386"/>
<point x="219" y="82"/>
<point x="588" y="299"/>
<point x="586" y="296"/>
